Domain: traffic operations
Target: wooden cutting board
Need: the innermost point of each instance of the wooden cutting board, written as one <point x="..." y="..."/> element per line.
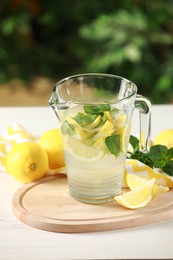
<point x="48" y="205"/>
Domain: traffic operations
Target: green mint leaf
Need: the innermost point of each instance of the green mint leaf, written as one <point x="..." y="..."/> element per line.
<point x="113" y="144"/>
<point x="66" y="128"/>
<point x="96" y="109"/>
<point x="142" y="157"/>
<point x="170" y="153"/>
<point x="158" y="155"/>
<point x="84" y="119"/>
<point x="104" y="119"/>
<point x="168" y="168"/>
<point x="134" y="143"/>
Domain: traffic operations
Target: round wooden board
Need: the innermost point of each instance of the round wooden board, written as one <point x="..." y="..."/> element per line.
<point x="48" y="205"/>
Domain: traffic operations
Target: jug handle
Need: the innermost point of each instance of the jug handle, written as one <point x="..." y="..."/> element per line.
<point x="144" y="106"/>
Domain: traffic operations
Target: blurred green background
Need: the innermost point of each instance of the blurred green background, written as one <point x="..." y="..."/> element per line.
<point x="58" y="38"/>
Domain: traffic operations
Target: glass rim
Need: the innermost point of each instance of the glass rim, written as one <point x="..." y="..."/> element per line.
<point x="75" y="76"/>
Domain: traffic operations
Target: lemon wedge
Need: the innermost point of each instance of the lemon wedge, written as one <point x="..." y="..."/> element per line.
<point x="138" y="197"/>
<point x="133" y="181"/>
<point x="149" y="173"/>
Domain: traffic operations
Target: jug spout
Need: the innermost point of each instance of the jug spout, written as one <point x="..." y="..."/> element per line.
<point x="59" y="106"/>
<point x="53" y="101"/>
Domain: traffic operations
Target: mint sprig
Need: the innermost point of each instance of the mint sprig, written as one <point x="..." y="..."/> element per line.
<point x="159" y="156"/>
<point x="168" y="168"/>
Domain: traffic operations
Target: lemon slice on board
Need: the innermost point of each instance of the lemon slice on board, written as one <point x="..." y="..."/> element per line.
<point x="138" y="197"/>
<point x="134" y="181"/>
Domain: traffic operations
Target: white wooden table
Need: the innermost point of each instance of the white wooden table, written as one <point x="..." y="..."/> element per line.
<point x="19" y="241"/>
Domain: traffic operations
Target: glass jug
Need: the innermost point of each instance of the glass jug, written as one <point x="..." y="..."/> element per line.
<point x="95" y="114"/>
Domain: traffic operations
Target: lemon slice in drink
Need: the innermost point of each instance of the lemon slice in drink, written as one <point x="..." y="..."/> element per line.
<point x="107" y="127"/>
<point x="83" y="134"/>
<point x="108" y="116"/>
<point x="138" y="197"/>
<point x="121" y="120"/>
<point x="104" y="131"/>
<point x="83" y="151"/>
<point x="78" y="129"/>
<point x="72" y="122"/>
<point x="99" y="143"/>
<point x="124" y="133"/>
<point x="95" y="123"/>
<point x="134" y="181"/>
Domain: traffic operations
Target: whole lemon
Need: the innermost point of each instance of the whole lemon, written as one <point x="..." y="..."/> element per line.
<point x="51" y="142"/>
<point x="165" y="138"/>
<point x="27" y="162"/>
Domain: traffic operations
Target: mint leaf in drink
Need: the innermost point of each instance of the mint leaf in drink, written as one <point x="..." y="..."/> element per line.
<point x="84" y="119"/>
<point x="96" y="109"/>
<point x="104" y="119"/>
<point x="113" y="144"/>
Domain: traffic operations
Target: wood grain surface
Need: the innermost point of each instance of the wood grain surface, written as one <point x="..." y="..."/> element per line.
<point x="48" y="205"/>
